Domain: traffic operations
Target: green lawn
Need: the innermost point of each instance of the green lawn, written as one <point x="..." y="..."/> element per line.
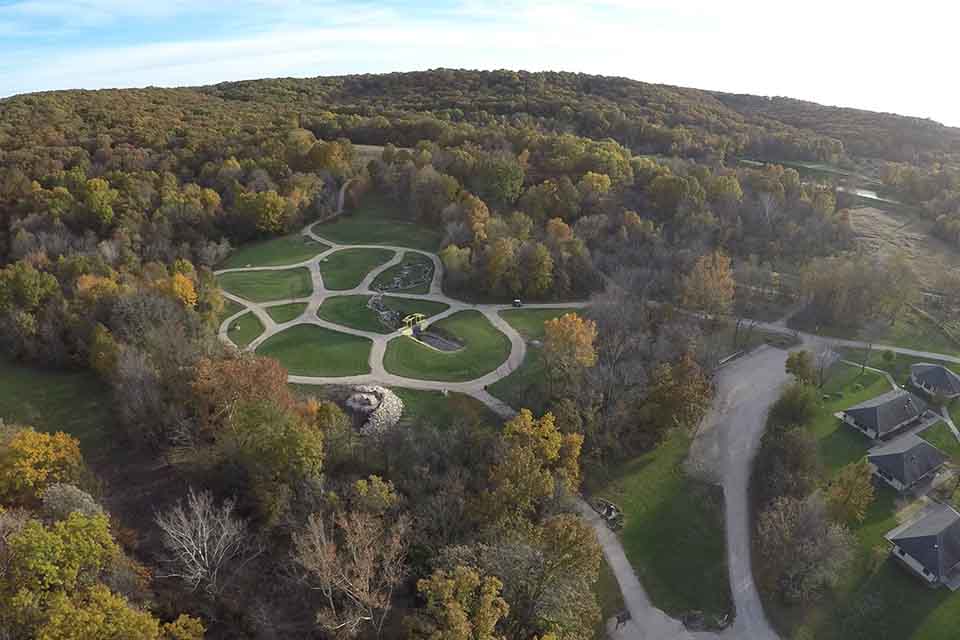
<point x="287" y="312"/>
<point x="484" y="350"/>
<point x="524" y="387"/>
<point x="351" y="311"/>
<point x="876" y="597"/>
<point x="910" y="331"/>
<point x="264" y="286"/>
<point x="529" y="322"/>
<point x="409" y="259"/>
<point x="347" y="268"/>
<point x="309" y="350"/>
<point x="608" y="595"/>
<point x="899" y="367"/>
<point x="940" y="436"/>
<point x="838" y="443"/>
<point x="276" y="252"/>
<point x="229" y="308"/>
<point x="673" y="530"/>
<point x="379" y="221"/>
<point x="245" y="329"/>
<point x="432" y="407"/>
<point x="75" y="402"/>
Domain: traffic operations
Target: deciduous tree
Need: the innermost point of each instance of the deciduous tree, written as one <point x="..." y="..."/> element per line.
<point x="461" y="604"/>
<point x="850" y="493"/>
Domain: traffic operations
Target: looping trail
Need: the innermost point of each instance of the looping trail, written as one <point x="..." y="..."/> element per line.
<point x="378" y="374"/>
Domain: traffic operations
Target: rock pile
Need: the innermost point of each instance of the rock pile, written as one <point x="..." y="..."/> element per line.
<point x="382" y="408"/>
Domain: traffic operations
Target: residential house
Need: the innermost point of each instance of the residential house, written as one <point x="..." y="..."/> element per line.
<point x="885" y="415"/>
<point x="935" y="379"/>
<point x="930" y="546"/>
<point x="905" y="461"/>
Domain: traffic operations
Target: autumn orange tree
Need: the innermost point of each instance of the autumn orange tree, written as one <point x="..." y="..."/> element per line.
<point x="709" y="287"/>
<point x="568" y="349"/>
<point x="219" y="385"/>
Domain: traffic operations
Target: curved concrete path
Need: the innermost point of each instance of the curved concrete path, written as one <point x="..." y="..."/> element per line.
<point x="378" y="374"/>
<point x="723" y="450"/>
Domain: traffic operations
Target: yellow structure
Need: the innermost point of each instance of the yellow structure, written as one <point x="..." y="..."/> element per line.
<point x="413" y="320"/>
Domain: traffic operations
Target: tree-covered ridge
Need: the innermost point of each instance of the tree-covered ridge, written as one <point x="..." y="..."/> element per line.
<point x="867" y="134"/>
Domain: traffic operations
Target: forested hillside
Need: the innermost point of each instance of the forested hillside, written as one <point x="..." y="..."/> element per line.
<point x="117" y="205"/>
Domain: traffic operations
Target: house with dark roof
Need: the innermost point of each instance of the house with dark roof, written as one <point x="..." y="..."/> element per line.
<point x="885" y="415"/>
<point x="930" y="546"/>
<point x="905" y="461"/>
<point x="935" y="379"/>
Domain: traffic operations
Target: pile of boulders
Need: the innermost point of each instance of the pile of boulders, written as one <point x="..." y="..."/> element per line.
<point x="381" y="407"/>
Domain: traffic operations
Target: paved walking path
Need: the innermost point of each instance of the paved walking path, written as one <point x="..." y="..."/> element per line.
<point x="723" y="450"/>
<point x="378" y="374"/>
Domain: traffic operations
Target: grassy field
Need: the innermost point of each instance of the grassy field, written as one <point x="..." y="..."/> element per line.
<point x="229" y="308"/>
<point x="673" y="531"/>
<point x="351" y="311"/>
<point x="529" y="322"/>
<point x="379" y="221"/>
<point x="608" y="596"/>
<point x="75" y="402"/>
<point x="409" y="258"/>
<point x="245" y="329"/>
<point x="287" y="312"/>
<point x="910" y="331"/>
<point x="314" y="351"/>
<point x="524" y="387"/>
<point x="837" y="443"/>
<point x="347" y="268"/>
<point x="876" y="598"/>
<point x="899" y="367"/>
<point x="264" y="286"/>
<point x="432" y="407"/>
<point x="274" y="253"/>
<point x="940" y="436"/>
<point x="484" y="350"/>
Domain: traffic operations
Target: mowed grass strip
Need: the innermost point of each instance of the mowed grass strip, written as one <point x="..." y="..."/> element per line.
<point x="421" y="407"/>
<point x="275" y="253"/>
<point x="529" y="322"/>
<point x="286" y="312"/>
<point x="264" y="286"/>
<point x="245" y="329"/>
<point x="351" y="311"/>
<point x="379" y="221"/>
<point x="75" y="402"/>
<point x="347" y="268"/>
<point x="673" y="531"/>
<point x="409" y="259"/>
<point x="484" y="350"/>
<point x="308" y="350"/>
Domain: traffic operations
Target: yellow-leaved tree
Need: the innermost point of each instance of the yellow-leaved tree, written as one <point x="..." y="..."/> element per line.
<point x="31" y="461"/>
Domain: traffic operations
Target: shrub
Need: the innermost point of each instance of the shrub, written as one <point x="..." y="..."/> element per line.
<point x="61" y="499"/>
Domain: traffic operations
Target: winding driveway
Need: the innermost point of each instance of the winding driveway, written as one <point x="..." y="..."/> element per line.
<point x="722" y="452"/>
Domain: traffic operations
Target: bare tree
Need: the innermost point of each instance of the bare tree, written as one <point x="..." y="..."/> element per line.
<point x="823" y="359"/>
<point x="203" y="540"/>
<point x="872" y="332"/>
<point x="356" y="567"/>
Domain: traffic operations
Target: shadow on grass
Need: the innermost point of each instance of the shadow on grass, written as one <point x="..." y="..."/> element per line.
<point x="673" y="532"/>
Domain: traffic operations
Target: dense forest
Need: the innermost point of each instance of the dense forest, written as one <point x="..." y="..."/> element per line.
<point x="116" y="205"/>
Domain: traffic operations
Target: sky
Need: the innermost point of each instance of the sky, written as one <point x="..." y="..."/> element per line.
<point x="877" y="55"/>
